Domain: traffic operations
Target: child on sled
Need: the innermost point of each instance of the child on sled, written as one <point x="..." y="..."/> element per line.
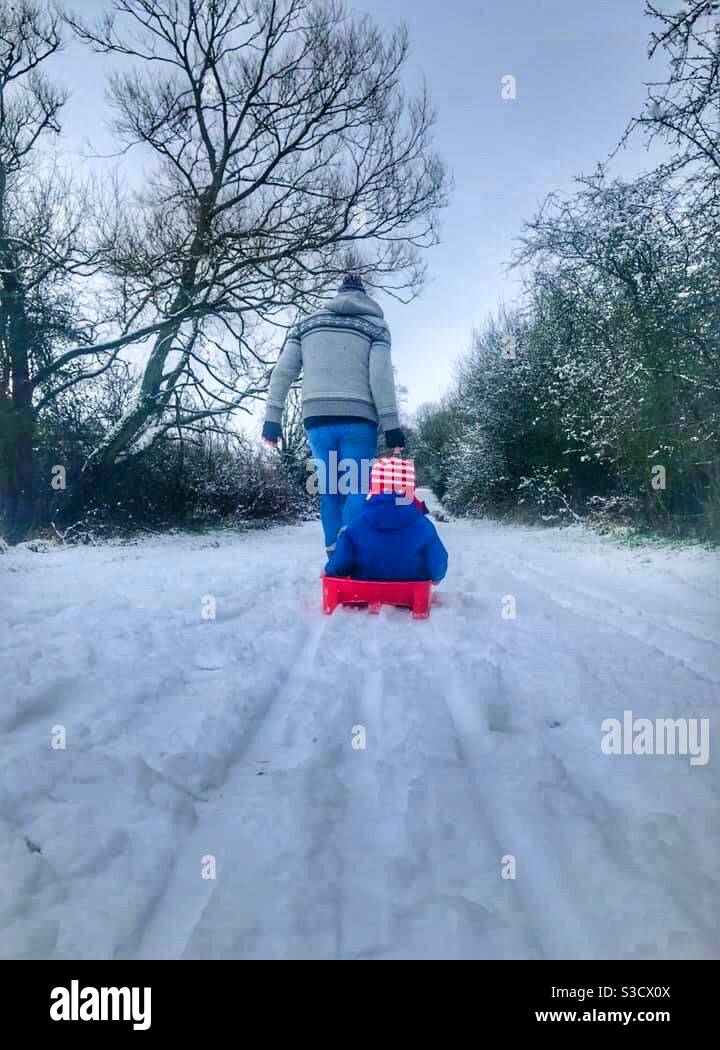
<point x="391" y="538"/>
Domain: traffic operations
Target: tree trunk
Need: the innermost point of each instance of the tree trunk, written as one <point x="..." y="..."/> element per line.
<point x="18" y="440"/>
<point x="152" y="398"/>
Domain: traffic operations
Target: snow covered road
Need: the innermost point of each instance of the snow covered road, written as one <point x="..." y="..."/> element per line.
<point x="194" y="743"/>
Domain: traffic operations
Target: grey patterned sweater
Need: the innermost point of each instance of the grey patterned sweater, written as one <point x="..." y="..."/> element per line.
<point x="343" y="352"/>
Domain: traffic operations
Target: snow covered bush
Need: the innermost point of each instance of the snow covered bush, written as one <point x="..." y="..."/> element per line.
<point x="544" y="491"/>
<point x="598" y="395"/>
<point x="430" y="439"/>
<point x="607" y="404"/>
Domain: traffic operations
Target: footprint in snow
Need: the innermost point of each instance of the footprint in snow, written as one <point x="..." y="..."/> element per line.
<point x="210" y="660"/>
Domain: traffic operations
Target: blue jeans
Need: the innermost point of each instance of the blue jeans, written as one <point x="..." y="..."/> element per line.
<point x="349" y="441"/>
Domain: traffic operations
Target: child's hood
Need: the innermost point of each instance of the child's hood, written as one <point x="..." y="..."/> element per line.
<point x="386" y="513"/>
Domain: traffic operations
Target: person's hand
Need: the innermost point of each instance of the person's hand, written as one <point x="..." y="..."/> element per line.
<point x="395" y="439"/>
<point x="271" y="433"/>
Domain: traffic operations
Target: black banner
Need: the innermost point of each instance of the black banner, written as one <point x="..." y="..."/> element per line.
<point x="64" y="1000"/>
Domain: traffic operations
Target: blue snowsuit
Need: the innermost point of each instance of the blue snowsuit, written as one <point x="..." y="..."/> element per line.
<point x="389" y="541"/>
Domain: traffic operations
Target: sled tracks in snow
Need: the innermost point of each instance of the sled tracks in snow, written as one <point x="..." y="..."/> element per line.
<point x="481" y="714"/>
<point x="178" y="913"/>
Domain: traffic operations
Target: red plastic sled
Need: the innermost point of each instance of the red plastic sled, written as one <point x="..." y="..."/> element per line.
<point x="414" y="594"/>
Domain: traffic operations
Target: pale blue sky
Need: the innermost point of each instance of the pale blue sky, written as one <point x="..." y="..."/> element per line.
<point x="580" y="69"/>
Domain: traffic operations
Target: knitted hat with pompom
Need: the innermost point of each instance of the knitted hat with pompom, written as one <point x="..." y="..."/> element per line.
<point x="392" y="474"/>
<point x="352" y="282"/>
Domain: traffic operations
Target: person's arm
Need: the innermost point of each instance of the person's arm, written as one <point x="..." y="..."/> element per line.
<point x="436" y="557"/>
<point x="342" y="559"/>
<point x="382" y="385"/>
<point x="284" y="375"/>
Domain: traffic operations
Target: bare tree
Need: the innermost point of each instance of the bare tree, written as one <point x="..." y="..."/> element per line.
<point x="51" y="315"/>
<point x="295" y="447"/>
<point x="283" y="144"/>
<point x="29" y="108"/>
<point x="684" y="109"/>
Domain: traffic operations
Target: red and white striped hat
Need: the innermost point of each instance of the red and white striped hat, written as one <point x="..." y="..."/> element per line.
<point x="393" y="474"/>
